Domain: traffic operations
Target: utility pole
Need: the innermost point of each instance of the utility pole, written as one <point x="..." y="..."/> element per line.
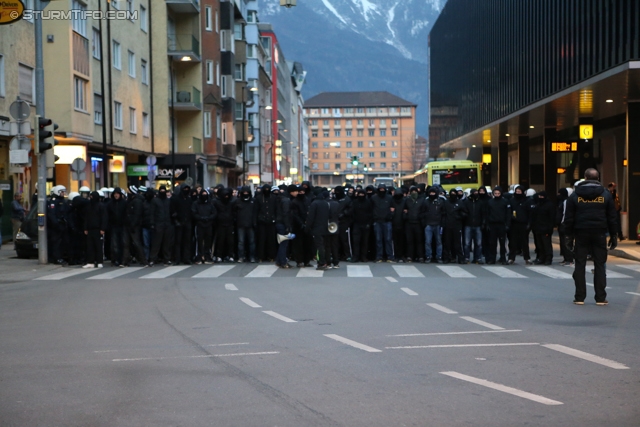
<point x="42" y="163"/>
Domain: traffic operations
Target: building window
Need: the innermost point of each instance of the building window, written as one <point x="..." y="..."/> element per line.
<point x="207" y="18"/>
<point x="383" y="132"/>
<point x="218" y="74"/>
<point x="349" y="154"/>
<point x="336" y="112"/>
<point x="133" y="123"/>
<point x="372" y="154"/>
<point x="337" y="166"/>
<point x="117" y="61"/>
<point x="394" y="143"/>
<point x="393" y="110"/>
<point x="372" y="165"/>
<point x="325" y="145"/>
<point x="336" y="122"/>
<point x="325" y="122"/>
<point x="314" y="166"/>
<point x="383" y="154"/>
<point x="405" y="110"/>
<point x="383" y="143"/>
<point x="394" y="154"/>
<point x="207" y="124"/>
<point x="210" y="72"/>
<point x="325" y="134"/>
<point x="144" y="72"/>
<point x="78" y="21"/>
<point x="337" y="155"/>
<point x="132" y="64"/>
<point x="115" y="4"/>
<point x="224" y="87"/>
<point x="335" y="144"/>
<point x="348" y="132"/>
<point x="252" y="17"/>
<point x="383" y="122"/>
<point x="360" y="155"/>
<point x="360" y="110"/>
<point x="394" y="121"/>
<point x="372" y="132"/>
<point x="26" y="83"/>
<point x="394" y="166"/>
<point x="238" y="33"/>
<point x="143" y="18"/>
<point x="239" y="72"/>
<point x="97" y="109"/>
<point x="2" y="93"/>
<point x="252" y="51"/>
<point x="326" y="155"/>
<point x="348" y="110"/>
<point x="360" y="122"/>
<point x="314" y="155"/>
<point x="349" y="144"/>
<point x="325" y="111"/>
<point x="360" y="132"/>
<point x="130" y="5"/>
<point x="360" y="144"/>
<point x="314" y="134"/>
<point x="239" y="111"/>
<point x="383" y="165"/>
<point x="145" y="125"/>
<point x="217" y="21"/>
<point x="394" y="132"/>
<point x="337" y="133"/>
<point x="372" y="122"/>
<point x="96" y="47"/>
<point x="80" y="94"/>
<point x="218" y="123"/>
<point x="117" y="115"/>
<point x="372" y="144"/>
<point x="314" y="145"/>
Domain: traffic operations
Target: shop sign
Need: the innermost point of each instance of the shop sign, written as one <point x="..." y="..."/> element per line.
<point x="139" y="170"/>
<point x="167" y="173"/>
<point x="10" y="11"/>
<point x="116" y="165"/>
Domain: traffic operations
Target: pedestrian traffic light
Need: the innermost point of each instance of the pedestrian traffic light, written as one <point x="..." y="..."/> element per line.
<point x="46" y="140"/>
<point x="354" y="160"/>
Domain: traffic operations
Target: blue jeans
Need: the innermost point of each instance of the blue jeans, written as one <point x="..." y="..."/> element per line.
<point x="281" y="256"/>
<point x="147" y="234"/>
<point x="475" y="234"/>
<point x="430" y="232"/>
<point x="384" y="239"/>
<point x="243" y="234"/>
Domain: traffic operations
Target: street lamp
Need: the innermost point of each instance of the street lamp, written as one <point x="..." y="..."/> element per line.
<point x="288" y="3"/>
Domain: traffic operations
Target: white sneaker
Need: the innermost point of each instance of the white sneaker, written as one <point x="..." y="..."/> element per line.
<point x="99" y="266"/>
<point x="87" y="266"/>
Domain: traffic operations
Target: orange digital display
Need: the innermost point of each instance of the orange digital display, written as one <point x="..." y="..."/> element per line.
<point x="564" y="147"/>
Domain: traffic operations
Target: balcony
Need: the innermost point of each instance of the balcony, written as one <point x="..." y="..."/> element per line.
<point x="183" y="47"/>
<point x="186" y="100"/>
<point x="184" y="6"/>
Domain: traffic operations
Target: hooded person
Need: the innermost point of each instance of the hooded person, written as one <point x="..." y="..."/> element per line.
<point x="302" y="246"/>
<point x="413" y="230"/>
<point x="266" y="229"/>
<point x="163" y="228"/>
<point x="181" y="213"/>
<point x="398" y="202"/>
<point x="362" y="225"/>
<point x="520" y="226"/>
<point x="499" y="213"/>
<point x="147" y="223"/>
<point x="345" y="218"/>
<point x="316" y="225"/>
<point x="95" y="225"/>
<point x="382" y="215"/>
<point x="542" y="225"/>
<point x="204" y="215"/>
<point x="246" y="214"/>
<point x="133" y="229"/>
<point x="117" y="218"/>
<point x="283" y="221"/>
<point x="432" y="215"/>
<point x="308" y="190"/>
<point x="455" y="214"/>
<point x="57" y="227"/>
<point x="473" y="227"/>
<point x="567" y="255"/>
<point x="225" y="239"/>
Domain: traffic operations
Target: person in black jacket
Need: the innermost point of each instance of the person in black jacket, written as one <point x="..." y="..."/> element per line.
<point x="246" y="213"/>
<point x="163" y="227"/>
<point x="455" y="214"/>
<point x="133" y="228"/>
<point x="95" y="225"/>
<point x="204" y="214"/>
<point x="362" y="221"/>
<point x="344" y="222"/>
<point x="520" y="226"/>
<point x="266" y="229"/>
<point x="432" y="215"/>
<point x="302" y="245"/>
<point x="382" y="215"/>
<point x="181" y="215"/>
<point x="414" y="232"/>
<point x="498" y="214"/>
<point x="567" y="255"/>
<point x="225" y="239"/>
<point x="283" y="221"/>
<point x="57" y="229"/>
<point x="147" y="222"/>
<point x="473" y="227"/>
<point x="542" y="225"/>
<point x="590" y="214"/>
<point x="117" y="217"/>
<point x="317" y="226"/>
<point x="397" y="225"/>
<point x="332" y="240"/>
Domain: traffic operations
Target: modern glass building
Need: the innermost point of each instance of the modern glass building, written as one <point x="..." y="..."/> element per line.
<point x="540" y="90"/>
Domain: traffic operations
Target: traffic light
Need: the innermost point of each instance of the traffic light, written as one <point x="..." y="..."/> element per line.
<point x="46" y="129"/>
<point x="354" y="160"/>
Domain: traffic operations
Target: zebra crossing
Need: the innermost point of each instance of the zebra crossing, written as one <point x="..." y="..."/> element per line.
<point x="355" y="271"/>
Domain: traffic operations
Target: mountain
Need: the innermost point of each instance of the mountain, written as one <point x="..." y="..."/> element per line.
<point x="359" y="45"/>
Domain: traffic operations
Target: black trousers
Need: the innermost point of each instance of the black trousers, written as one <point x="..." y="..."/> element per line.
<point x="497" y="232"/>
<point x="361" y="233"/>
<point x="319" y="244"/>
<point x="133" y="245"/>
<point x="519" y="241"/>
<point x="592" y="242"/>
<point x="182" y="244"/>
<point x="343" y="235"/>
<point x="116" y="245"/>
<point x="545" y="251"/>
<point x="266" y="241"/>
<point x="302" y="248"/>
<point x="452" y="245"/>
<point x="57" y="242"/>
<point x="78" y="246"/>
<point x="204" y="237"/>
<point x="414" y="237"/>
<point x="162" y="239"/>
<point x="95" y="253"/>
<point x="567" y="255"/>
<point x="225" y="241"/>
<point x="399" y="246"/>
<point x="332" y="248"/>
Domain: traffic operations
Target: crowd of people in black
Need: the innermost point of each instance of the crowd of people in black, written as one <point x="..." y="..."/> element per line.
<point x="302" y="223"/>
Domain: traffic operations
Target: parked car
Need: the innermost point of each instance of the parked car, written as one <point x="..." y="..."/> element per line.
<point x="26" y="243"/>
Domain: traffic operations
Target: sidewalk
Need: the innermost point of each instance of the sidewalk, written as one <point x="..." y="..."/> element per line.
<point x="13" y="269"/>
<point x="626" y="249"/>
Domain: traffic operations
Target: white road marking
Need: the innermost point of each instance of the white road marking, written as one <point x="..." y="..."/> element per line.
<point x="212" y="272"/>
<point x="441" y="308"/>
<point x="634" y="267"/>
<point x="226" y="345"/>
<point x="586" y="356"/>
<point x="407" y="271"/>
<point x="114" y="273"/>
<point x="481" y="323"/>
<point x="409" y="291"/>
<point x="250" y="303"/>
<point x="550" y="272"/>
<point x="504" y="272"/>
<point x="65" y="274"/>
<point x="106" y="351"/>
<point x="204" y="356"/>
<point x="503" y="388"/>
<point x="633" y="293"/>
<point x="615" y="275"/>
<point x="359" y="271"/>
<point x="280" y="317"/>
<point x="392" y="279"/>
<point x="455" y="333"/>
<point x="357" y="345"/>
<point x="165" y="272"/>
<point x="263" y="271"/>
<point x="230" y="287"/>
<point x="411" y="347"/>
<point x="310" y="272"/>
<point x="457" y="272"/>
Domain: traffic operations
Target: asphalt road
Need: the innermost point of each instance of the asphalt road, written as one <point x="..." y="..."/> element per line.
<point x="365" y="345"/>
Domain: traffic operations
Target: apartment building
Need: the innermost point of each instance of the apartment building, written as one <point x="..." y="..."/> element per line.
<point x="378" y="129"/>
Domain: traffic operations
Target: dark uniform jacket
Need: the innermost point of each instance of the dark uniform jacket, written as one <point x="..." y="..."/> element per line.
<point x="203" y="211"/>
<point x="545" y="217"/>
<point x="590" y="207"/>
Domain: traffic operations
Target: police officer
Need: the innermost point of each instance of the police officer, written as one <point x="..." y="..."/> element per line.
<point x="590" y="214"/>
<point x="57" y="213"/>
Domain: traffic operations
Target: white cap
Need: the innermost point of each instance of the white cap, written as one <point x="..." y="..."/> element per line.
<point x="530" y="192"/>
<point x="73" y="195"/>
<point x="85" y="189"/>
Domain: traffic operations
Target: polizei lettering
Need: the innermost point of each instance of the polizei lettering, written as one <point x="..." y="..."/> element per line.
<point x="596" y="200"/>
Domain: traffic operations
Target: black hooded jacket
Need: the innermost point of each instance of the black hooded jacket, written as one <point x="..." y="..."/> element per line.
<point x="545" y="215"/>
<point x="181" y="207"/>
<point x="224" y="205"/>
<point x="161" y="210"/>
<point x="203" y="211"/>
<point x="95" y="214"/>
<point x="117" y="209"/>
<point x="346" y="209"/>
<point x="299" y="212"/>
<point x="362" y="210"/>
<point x="398" y="202"/>
<point x="147" y="209"/>
<point x="381" y="204"/>
<point x="266" y="206"/>
<point x="591" y="207"/>
<point x="455" y="212"/>
<point x="134" y="212"/>
<point x="318" y="218"/>
<point x="520" y="208"/>
<point x="246" y="210"/>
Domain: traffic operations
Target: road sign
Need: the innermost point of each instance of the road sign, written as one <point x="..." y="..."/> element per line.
<point x="20" y="110"/>
<point x="188" y="181"/>
<point x="151" y="160"/>
<point x="79" y="176"/>
<point x="18" y="157"/>
<point x="151" y="176"/>
<point x="20" y="143"/>
<point x="16" y="128"/>
<point x="78" y="165"/>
